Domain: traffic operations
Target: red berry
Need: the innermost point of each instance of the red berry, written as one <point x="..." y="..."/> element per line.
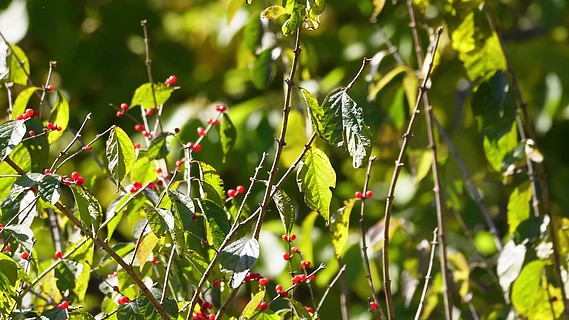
<point x="240" y="189"/>
<point x="137" y="145"/>
<point x="302" y="277"/>
<point x="373" y="305"/>
<point x="197" y="148"/>
<point x="47" y="171"/>
<point x="212" y="121"/>
<point x="294" y="249"/>
<point x="75" y="175"/>
<point x="89" y="148"/>
<point x="369" y="194"/>
<point x="263" y="281"/>
<point x="279" y="289"/>
<point x="119" y="113"/>
<point x="50" y="126"/>
<point x="150" y="112"/>
<point x="137" y="184"/>
<point x="68" y="181"/>
<point x="198" y="316"/>
<point x="139" y="127"/>
<point x="123" y="300"/>
<point x="29" y="113"/>
<point x="286" y="256"/>
<point x="309" y="309"/>
<point x="211" y="317"/>
<point x="201" y="131"/>
<point x="58" y="128"/>
<point x="20" y="117"/>
<point x="305" y="264"/>
<point x="177" y="130"/>
<point x="80" y="181"/>
<point x="50" y="88"/>
<point x="206" y="305"/>
<point x="171" y="80"/>
<point x="359" y="195"/>
<point x="1" y="226"/>
<point x="179" y="163"/>
<point x="32" y="133"/>
<point x="25" y="255"/>
<point x="262" y="306"/>
<point x="284" y="237"/>
<point x="231" y="193"/>
<point x="311" y="278"/>
<point x="154" y="261"/>
<point x="113" y="275"/>
<point x="59" y="254"/>
<point x="221" y="108"/>
<point x="7" y="248"/>
<point x="296" y="279"/>
<point x="216" y="283"/>
<point x="292" y="237"/>
<point x="63" y="305"/>
<point x="124" y="107"/>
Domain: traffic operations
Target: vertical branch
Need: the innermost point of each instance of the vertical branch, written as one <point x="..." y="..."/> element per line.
<point x="281" y="140"/>
<point x="427" y="276"/>
<point x="439" y="202"/>
<point x="364" y="242"/>
<point x="391" y="192"/>
<point x="540" y="170"/>
<point x="148" y="63"/>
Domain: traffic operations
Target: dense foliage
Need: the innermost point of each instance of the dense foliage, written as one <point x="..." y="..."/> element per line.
<point x="292" y="159"/>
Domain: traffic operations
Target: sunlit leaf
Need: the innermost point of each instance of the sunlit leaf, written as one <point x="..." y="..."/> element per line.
<point x="183" y="207"/>
<point x="88" y="206"/>
<point x="315" y="176"/>
<point x="340" y="225"/>
<point x="19" y="66"/>
<point x="143" y="170"/>
<point x="262" y="69"/>
<point x="163" y="221"/>
<point x="251" y="307"/>
<point x="377" y="8"/>
<point x="143" y="95"/>
<point x="296" y="9"/>
<point x="21" y="103"/>
<point x="158" y="147"/>
<point x="145" y="248"/>
<point x="11" y="134"/>
<point x="120" y="154"/>
<point x="273" y="12"/>
<point x="217" y="223"/>
<point x="59" y="116"/>
<point x="227" y="135"/>
<point x="238" y="258"/>
<point x="295" y="138"/>
<point x="23" y="234"/>
<point x="317" y="6"/>
<point x="147" y="310"/>
<point x="66" y="272"/>
<point x="519" y="206"/>
<point x="9" y="268"/>
<point x="48" y="188"/>
<point x="306" y="245"/>
<point x="299" y="309"/>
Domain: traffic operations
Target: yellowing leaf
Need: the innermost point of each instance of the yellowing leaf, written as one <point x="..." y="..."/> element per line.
<point x="340" y="225"/>
<point x="519" y="206"/>
<point x="59" y="116"/>
<point x="251" y="307"/>
<point x="145" y="248"/>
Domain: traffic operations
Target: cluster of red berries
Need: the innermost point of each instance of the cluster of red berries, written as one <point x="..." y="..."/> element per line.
<point x="53" y="126"/>
<point x="221" y="108"/>
<point x="205" y="308"/>
<point x="194" y="147"/>
<point x="63" y="305"/>
<point x="171" y="80"/>
<point x="232" y="193"/>
<point x="76" y="178"/>
<point x="252" y="276"/>
<point x="360" y="195"/>
<point x="27" y="114"/>
<point x="141" y="128"/>
<point x="136" y="186"/>
<point x="212" y="121"/>
<point x="123" y="300"/>
<point x="203" y="316"/>
<point x="124" y="108"/>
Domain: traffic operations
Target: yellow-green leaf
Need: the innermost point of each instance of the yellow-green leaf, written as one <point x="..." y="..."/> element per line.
<point x="145" y="248"/>
<point x="16" y="60"/>
<point x="251" y="307"/>
<point x="273" y="12"/>
<point x="377" y="8"/>
<point x="120" y="154"/>
<point x="21" y="103"/>
<point x="143" y="95"/>
<point x="340" y="225"/>
<point x="59" y="116"/>
<point x="519" y="206"/>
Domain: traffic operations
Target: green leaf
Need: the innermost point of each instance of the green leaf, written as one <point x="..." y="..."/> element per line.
<point x="158" y="148"/>
<point x="531" y="299"/>
<point x="317" y="6"/>
<point x="17" y="73"/>
<point x="251" y="307"/>
<point x="273" y="12"/>
<point x="59" y="116"/>
<point x="38" y="146"/>
<point x="55" y="314"/>
<point x="143" y="170"/>
<point x="23" y="234"/>
<point x="120" y="154"/>
<point x="66" y="272"/>
<point x="519" y="206"/>
<point x="497" y="151"/>
<point x="253" y="32"/>
<point x="147" y="310"/>
<point x="343" y="126"/>
<point x="315" y="110"/>
<point x="9" y="268"/>
<point x="48" y="188"/>
<point x="286" y="210"/>
<point x="21" y="103"/>
<point x="340" y="226"/>
<point x="147" y="245"/>
<point x="88" y="206"/>
<point x="163" y="221"/>
<point x="183" y="207"/>
<point x="262" y="69"/>
<point x="21" y="156"/>
<point x="478" y="49"/>
<point x="84" y="255"/>
<point x="129" y="311"/>
<point x="315" y="176"/>
<point x="143" y="95"/>
<point x="377" y="8"/>
<point x="227" y="135"/>
<point x="297" y="10"/>
<point x="11" y="134"/>
<point x="299" y="309"/>
<point x="24" y="183"/>
<point x="211" y="177"/>
<point x="217" y="223"/>
<point x="238" y="258"/>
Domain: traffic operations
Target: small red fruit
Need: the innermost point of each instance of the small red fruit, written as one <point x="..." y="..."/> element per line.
<point x="139" y="127"/>
<point x="1" y="226"/>
<point x="47" y="171"/>
<point x="75" y="175"/>
<point x="58" y="128"/>
<point x="369" y="194"/>
<point x="211" y="317"/>
<point x="137" y="145"/>
<point x="137" y="184"/>
<point x="279" y="289"/>
<point x="286" y="256"/>
<point x="171" y="80"/>
<point x="177" y="130"/>
<point x="216" y="283"/>
<point x="50" y="88"/>
<point x="212" y="121"/>
<point x="201" y="131"/>
<point x="59" y="254"/>
<point x="263" y="281"/>
<point x="262" y="306"/>
<point x="80" y="181"/>
<point x="25" y="255"/>
<point x="88" y="148"/>
<point x="231" y="193"/>
<point x="309" y="309"/>
<point x="221" y="108"/>
<point x="296" y="279"/>
<point x="29" y="113"/>
<point x="50" y="126"/>
<point x="284" y="237"/>
<point x="311" y="278"/>
<point x="20" y="117"/>
<point x="240" y="189"/>
<point x="119" y="113"/>
<point x="150" y="112"/>
<point x="32" y="133"/>
<point x="359" y="195"/>
<point x="294" y="249"/>
<point x="63" y="305"/>
<point x="292" y="237"/>
<point x="124" y="107"/>
<point x="302" y="277"/>
<point x="123" y="300"/>
<point x="197" y="148"/>
<point x="305" y="264"/>
<point x="179" y="163"/>
<point x="373" y="305"/>
<point x="154" y="261"/>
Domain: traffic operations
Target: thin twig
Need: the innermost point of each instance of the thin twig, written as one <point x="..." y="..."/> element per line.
<point x="391" y="193"/>
<point x="70" y="144"/>
<point x="148" y="63"/>
<point x="329" y="287"/>
<point x="52" y="65"/>
<point x="281" y="140"/>
<point x="167" y="276"/>
<point x="427" y="276"/>
<point x="365" y="62"/>
<point x="364" y="243"/>
<point x="540" y="170"/>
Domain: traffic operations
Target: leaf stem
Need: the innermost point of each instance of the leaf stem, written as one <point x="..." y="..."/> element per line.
<point x="365" y="62"/>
